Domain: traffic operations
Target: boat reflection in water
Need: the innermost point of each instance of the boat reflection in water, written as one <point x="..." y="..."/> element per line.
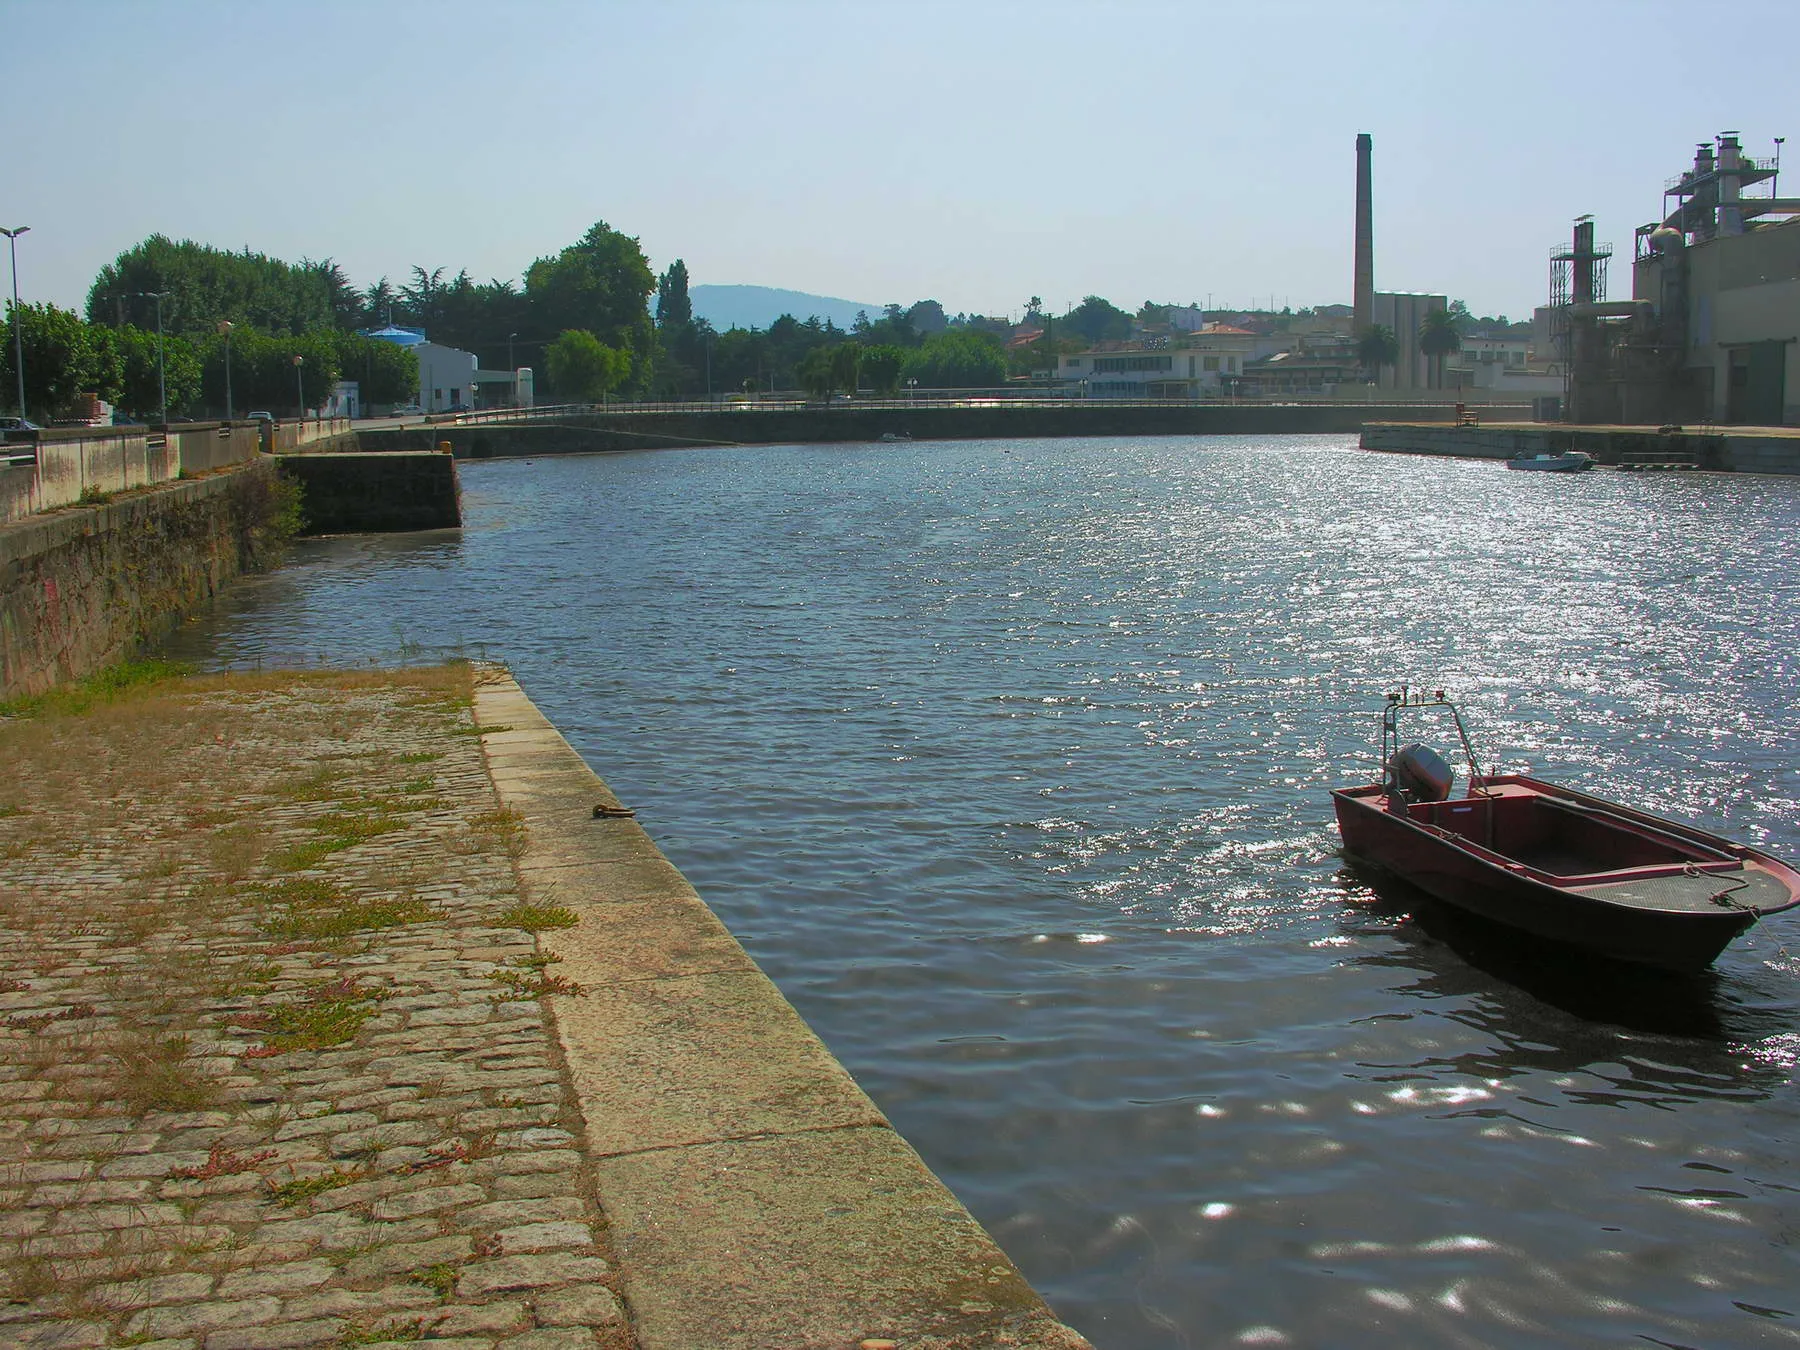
<point x="1594" y="989"/>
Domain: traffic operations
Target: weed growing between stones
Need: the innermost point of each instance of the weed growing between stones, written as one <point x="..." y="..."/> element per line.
<point x="538" y="918"/>
<point x="203" y="1045"/>
<point x="440" y="1279"/>
<point x="325" y="1014"/>
<point x="297" y="1192"/>
<point x="154" y="1073"/>
<point x="527" y="977"/>
<point x="501" y="831"/>
<point x="385" y="1332"/>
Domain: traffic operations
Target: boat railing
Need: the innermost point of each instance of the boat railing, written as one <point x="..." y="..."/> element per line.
<point x="1405" y="699"/>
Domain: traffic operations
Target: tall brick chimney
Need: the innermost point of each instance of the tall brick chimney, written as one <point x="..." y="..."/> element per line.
<point x="1363" y="291"/>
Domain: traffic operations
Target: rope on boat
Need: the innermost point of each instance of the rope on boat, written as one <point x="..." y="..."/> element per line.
<point x="1723" y="898"/>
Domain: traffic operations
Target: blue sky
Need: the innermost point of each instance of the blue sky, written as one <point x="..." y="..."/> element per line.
<point x="977" y="152"/>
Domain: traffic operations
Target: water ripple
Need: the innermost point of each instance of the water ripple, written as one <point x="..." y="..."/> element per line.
<point x="1009" y="763"/>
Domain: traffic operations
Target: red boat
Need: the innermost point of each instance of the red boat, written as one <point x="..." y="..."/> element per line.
<point x="1553" y="862"/>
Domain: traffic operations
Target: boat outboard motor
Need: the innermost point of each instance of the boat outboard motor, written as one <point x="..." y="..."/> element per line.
<point x="1421" y="773"/>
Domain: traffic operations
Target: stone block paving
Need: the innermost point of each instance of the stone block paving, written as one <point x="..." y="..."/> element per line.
<point x="276" y="1067"/>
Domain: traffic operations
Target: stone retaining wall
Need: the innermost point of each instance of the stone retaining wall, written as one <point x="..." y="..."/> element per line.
<point x="357" y="493"/>
<point x="83" y="588"/>
<point x="849" y="422"/>
<point x="1752" y="452"/>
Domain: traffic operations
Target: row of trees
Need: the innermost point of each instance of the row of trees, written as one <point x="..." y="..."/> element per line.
<point x="1440" y="335"/>
<point x="955" y="359"/>
<point x="67" y="358"/>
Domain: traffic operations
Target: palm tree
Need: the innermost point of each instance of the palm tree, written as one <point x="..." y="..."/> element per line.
<point x="1377" y="347"/>
<point x="1438" y="337"/>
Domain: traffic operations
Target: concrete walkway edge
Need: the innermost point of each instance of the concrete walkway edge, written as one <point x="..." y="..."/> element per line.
<point x="756" y="1196"/>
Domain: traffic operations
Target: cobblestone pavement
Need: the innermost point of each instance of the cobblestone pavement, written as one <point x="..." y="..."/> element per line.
<point x="275" y="1064"/>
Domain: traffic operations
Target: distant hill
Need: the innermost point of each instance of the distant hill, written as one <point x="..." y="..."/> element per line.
<point x="759" y="306"/>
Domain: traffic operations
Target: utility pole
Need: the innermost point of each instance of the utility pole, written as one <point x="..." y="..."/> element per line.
<point x="225" y="326"/>
<point x="12" y="247"/>
<point x="162" y="383"/>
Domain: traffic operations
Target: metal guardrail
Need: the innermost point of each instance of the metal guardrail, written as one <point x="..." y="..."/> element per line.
<point x="958" y="399"/>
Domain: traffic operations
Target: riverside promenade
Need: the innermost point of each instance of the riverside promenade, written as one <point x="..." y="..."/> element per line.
<point x="352" y="1009"/>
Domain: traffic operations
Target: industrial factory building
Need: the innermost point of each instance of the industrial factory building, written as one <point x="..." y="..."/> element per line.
<point x="1712" y="331"/>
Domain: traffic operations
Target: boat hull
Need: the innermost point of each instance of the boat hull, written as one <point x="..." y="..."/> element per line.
<point x="1571" y="462"/>
<point x="1456" y="874"/>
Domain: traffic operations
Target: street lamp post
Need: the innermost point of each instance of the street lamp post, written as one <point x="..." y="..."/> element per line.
<point x="912" y="388"/>
<point x="225" y="328"/>
<point x="513" y="366"/>
<point x="162" y="384"/>
<point x="12" y="247"/>
<point x="299" y="389"/>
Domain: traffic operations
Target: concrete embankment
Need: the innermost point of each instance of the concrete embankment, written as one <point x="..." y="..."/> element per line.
<point x="850" y="422"/>
<point x="85" y="586"/>
<point x="1739" y="450"/>
<point x="329" y="1044"/>
<point x="371" y="493"/>
<point x="755" y="1195"/>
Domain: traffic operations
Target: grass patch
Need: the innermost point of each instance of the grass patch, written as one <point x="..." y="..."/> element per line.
<point x="538" y="918"/>
<point x="381" y="1333"/>
<point x="440" y="1279"/>
<point x="326" y="1014"/>
<point x="292" y="1194"/>
<point x="420" y="757"/>
<point x="345" y="917"/>
<point x="7" y="809"/>
<point x="126" y="679"/>
<point x="502" y="830"/>
<point x="153" y="1074"/>
<point x="247" y="977"/>
<point x="528" y="978"/>
<point x="339" y="830"/>
<point x="480" y="731"/>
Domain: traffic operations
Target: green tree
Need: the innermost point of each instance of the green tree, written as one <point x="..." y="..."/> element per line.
<point x="583" y="368"/>
<point x="385" y="372"/>
<point x="1098" y="320"/>
<point x="815" y="373"/>
<point x="927" y="317"/>
<point x="846" y="366"/>
<point x="64" y="358"/>
<point x="673" y="308"/>
<point x="601" y="284"/>
<point x="958" y="359"/>
<point x="1377" y="347"/>
<point x="881" y="367"/>
<point x="263" y="375"/>
<point x="1439" y="336"/>
<point x="206" y="284"/>
<point x="141" y="393"/>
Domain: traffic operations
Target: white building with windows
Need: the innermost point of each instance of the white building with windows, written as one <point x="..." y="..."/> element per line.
<point x="1196" y="365"/>
<point x="446" y="377"/>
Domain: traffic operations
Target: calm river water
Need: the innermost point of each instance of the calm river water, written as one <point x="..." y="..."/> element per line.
<point x="1008" y="761"/>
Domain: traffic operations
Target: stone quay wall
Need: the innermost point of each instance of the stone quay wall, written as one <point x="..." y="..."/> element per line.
<point x="83" y="588"/>
<point x="850" y="422"/>
<point x="1753" y="450"/>
<point x="366" y="493"/>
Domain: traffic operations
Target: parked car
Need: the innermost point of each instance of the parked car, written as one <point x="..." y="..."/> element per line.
<point x="18" y="424"/>
<point x="409" y="410"/>
<point x="260" y="416"/>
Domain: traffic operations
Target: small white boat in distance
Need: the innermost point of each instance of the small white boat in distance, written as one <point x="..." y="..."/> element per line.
<point x="1569" y="461"/>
